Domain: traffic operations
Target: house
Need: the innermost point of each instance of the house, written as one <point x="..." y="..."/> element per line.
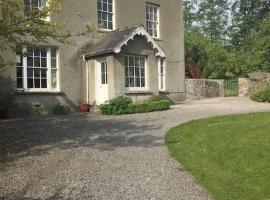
<point x="140" y="53"/>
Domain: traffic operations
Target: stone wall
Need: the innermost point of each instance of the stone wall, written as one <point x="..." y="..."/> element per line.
<point x="247" y="86"/>
<point x="204" y="88"/>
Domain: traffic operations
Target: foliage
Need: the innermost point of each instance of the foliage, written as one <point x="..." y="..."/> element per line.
<point x="124" y="105"/>
<point x="116" y="106"/>
<point x="150" y="106"/>
<point x="20" y="27"/>
<point x="262" y="95"/>
<point x="7" y="97"/>
<point x="60" y="109"/>
<point x="228" y="155"/>
<point x="220" y="45"/>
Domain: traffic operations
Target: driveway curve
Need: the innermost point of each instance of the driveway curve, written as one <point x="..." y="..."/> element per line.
<point x="103" y="157"/>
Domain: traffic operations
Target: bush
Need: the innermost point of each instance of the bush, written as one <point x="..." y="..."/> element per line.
<point x="60" y="110"/>
<point x="124" y="105"/>
<point x="116" y="106"/>
<point x="261" y="96"/>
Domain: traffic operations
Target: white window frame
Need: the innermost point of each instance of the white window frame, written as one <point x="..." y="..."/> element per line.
<point x="104" y="73"/>
<point x="49" y="70"/>
<point x="40" y="6"/>
<point x="157" y="22"/>
<point x="107" y="12"/>
<point x="162" y="75"/>
<point x="129" y="88"/>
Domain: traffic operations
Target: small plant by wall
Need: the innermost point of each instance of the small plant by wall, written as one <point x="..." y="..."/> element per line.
<point x="262" y="95"/>
<point x="60" y="109"/>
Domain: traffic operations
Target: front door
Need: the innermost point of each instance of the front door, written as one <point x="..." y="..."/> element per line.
<point x="101" y="69"/>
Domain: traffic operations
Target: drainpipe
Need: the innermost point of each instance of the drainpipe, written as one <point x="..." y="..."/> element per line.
<point x="87" y="79"/>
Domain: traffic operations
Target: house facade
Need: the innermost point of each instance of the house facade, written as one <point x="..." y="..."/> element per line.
<point x="139" y="53"/>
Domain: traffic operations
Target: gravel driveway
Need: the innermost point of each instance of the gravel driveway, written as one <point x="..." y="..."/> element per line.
<point x="103" y="157"/>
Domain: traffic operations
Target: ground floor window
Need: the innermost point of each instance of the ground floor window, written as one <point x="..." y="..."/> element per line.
<point x="134" y="71"/>
<point x="161" y="72"/>
<point x="37" y="69"/>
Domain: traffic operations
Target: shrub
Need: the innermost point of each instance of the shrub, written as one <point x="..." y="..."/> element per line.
<point x="123" y="105"/>
<point x="262" y="95"/>
<point x="116" y="106"/>
<point x="60" y="110"/>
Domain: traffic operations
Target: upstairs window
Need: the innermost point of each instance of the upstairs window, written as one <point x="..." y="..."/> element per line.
<point x="105" y="14"/>
<point x="152" y="19"/>
<point x="30" y="5"/>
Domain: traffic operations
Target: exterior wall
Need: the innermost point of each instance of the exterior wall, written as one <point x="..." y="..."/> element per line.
<point x="203" y="88"/>
<point x="126" y="13"/>
<point x="75" y="15"/>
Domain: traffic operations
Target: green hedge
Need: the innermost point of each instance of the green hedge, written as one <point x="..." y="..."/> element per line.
<point x="124" y="105"/>
<point x="262" y="96"/>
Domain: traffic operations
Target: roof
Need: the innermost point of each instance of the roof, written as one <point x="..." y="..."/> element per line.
<point x="115" y="40"/>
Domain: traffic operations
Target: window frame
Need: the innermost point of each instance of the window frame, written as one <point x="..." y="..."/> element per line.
<point x="157" y="22"/>
<point x="162" y="74"/>
<point x="136" y="88"/>
<point x="104" y="73"/>
<point x="49" y="69"/>
<point x="107" y="13"/>
<point x="40" y="6"/>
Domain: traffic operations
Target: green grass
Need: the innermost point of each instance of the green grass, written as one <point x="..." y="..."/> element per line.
<point x="229" y="156"/>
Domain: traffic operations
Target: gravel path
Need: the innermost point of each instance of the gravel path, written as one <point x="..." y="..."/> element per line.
<point x="103" y="157"/>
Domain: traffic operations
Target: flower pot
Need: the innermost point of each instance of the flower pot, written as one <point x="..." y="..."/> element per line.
<point x="6" y="113"/>
<point x="84" y="107"/>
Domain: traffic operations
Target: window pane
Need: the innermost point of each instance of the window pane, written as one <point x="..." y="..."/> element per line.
<point x="43" y="53"/>
<point x="53" y="63"/>
<point x="43" y="83"/>
<point x="37" y="73"/>
<point x="143" y="82"/>
<point x="43" y="62"/>
<point x="36" y="52"/>
<point x="131" y="82"/>
<point x="126" y="82"/>
<point x="30" y="62"/>
<point x="30" y="83"/>
<point x="138" y="83"/>
<point x="37" y="83"/>
<point x="54" y="79"/>
<point x="29" y="72"/>
<point x="131" y="71"/>
<point x="37" y="62"/>
<point x="19" y="72"/>
<point x="19" y="83"/>
<point x="44" y="73"/>
<point x="131" y="61"/>
<point x="53" y="52"/>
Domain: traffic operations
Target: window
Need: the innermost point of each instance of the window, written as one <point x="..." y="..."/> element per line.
<point x="135" y="71"/>
<point x="37" y="69"/>
<point x="161" y="72"/>
<point x="30" y="5"/>
<point x="104" y="73"/>
<point x="152" y="19"/>
<point x="105" y="14"/>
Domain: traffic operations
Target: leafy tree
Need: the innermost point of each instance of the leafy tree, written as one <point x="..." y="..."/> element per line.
<point x="18" y="26"/>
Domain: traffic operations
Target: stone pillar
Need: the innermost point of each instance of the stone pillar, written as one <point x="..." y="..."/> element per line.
<point x="244" y="85"/>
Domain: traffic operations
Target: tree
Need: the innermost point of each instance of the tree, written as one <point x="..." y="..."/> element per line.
<point x="212" y="19"/>
<point x="18" y="26"/>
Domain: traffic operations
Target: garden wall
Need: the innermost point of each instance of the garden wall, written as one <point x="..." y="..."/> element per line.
<point x="248" y="85"/>
<point x="204" y="88"/>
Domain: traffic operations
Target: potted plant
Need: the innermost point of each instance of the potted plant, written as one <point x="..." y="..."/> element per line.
<point x="84" y="107"/>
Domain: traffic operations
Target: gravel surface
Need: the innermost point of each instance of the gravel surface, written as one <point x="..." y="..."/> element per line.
<point x="103" y="157"/>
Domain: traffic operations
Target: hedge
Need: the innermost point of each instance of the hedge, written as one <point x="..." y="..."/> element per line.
<point x="123" y="105"/>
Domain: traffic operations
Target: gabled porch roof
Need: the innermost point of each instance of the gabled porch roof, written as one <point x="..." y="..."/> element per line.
<point x="115" y="40"/>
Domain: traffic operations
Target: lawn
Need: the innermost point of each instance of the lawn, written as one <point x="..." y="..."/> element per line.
<point x="229" y="156"/>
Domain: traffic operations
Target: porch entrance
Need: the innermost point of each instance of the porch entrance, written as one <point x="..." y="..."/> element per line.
<point x="101" y="79"/>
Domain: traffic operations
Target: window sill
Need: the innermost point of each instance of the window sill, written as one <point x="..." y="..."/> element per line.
<point x="164" y="91"/>
<point x="139" y="92"/>
<point x="22" y="92"/>
<point x="158" y="39"/>
<point x="100" y="30"/>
